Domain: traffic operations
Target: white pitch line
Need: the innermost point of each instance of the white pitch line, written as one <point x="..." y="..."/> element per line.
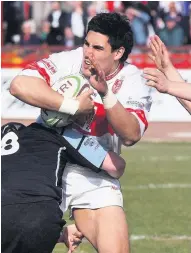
<point x="180" y="134"/>
<point x="156" y="186"/>
<point x="160" y="238"/>
<point x="156" y="237"/>
<point x="178" y="158"/>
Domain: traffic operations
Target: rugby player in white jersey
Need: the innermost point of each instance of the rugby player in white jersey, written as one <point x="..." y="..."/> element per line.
<point x="121" y="101"/>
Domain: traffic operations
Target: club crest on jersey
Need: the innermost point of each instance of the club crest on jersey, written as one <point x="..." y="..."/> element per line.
<point x="49" y="65"/>
<point x="117" y="86"/>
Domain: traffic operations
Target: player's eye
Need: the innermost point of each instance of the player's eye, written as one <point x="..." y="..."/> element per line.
<point x="98" y="48"/>
<point x="86" y="43"/>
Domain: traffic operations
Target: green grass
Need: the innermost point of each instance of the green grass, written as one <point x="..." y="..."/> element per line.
<point x="160" y="212"/>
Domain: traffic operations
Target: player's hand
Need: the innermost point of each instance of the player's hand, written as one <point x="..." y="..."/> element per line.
<point x="86" y="103"/>
<point x="97" y="79"/>
<point x="156" y="79"/>
<point x="159" y="54"/>
<point x="71" y="237"/>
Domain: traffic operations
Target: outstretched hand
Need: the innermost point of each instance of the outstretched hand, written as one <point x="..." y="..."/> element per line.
<point x="156" y="79"/>
<point x="159" y="54"/>
<point x="97" y="79"/>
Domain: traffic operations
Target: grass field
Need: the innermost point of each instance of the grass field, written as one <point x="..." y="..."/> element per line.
<point x="157" y="198"/>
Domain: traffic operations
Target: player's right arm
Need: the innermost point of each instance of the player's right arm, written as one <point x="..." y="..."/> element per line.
<point x="36" y="92"/>
<point x="160" y="57"/>
<point x="33" y="86"/>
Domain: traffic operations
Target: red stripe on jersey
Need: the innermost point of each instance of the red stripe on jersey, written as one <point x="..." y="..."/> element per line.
<point x="41" y="71"/>
<point x="100" y="125"/>
<point x="140" y="114"/>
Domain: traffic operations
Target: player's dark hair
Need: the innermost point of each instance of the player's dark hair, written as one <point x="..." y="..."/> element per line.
<point x="117" y="28"/>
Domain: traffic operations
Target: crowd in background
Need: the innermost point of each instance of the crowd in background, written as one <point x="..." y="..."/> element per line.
<point x="65" y="23"/>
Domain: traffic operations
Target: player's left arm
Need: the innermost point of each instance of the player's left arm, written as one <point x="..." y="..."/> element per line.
<point x="123" y="122"/>
<point x="128" y="120"/>
<point x="128" y="117"/>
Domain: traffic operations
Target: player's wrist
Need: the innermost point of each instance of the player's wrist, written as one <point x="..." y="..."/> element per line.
<point x="169" y="87"/>
<point x="109" y="100"/>
<point x="69" y="106"/>
<point x="168" y="69"/>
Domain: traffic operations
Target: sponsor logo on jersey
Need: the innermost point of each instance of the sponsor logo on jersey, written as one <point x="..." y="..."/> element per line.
<point x="91" y="142"/>
<point x="135" y="104"/>
<point x="117" y="86"/>
<point x="148" y="102"/>
<point x="49" y="65"/>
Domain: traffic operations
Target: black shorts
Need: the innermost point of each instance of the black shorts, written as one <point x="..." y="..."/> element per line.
<point x="31" y="227"/>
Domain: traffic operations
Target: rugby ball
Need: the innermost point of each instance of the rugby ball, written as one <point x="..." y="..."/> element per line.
<point x="69" y="87"/>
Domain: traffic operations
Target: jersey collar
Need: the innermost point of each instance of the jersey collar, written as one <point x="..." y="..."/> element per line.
<point x="109" y="77"/>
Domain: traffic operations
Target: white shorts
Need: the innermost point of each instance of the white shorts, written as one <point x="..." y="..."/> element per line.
<point x="83" y="188"/>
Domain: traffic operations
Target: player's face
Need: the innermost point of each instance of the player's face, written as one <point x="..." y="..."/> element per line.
<point x="97" y="44"/>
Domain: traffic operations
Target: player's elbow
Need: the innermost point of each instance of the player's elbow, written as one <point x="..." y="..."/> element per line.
<point x="16" y="86"/>
<point x="130" y="141"/>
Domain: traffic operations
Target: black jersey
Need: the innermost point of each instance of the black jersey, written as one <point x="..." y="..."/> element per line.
<point x="33" y="159"/>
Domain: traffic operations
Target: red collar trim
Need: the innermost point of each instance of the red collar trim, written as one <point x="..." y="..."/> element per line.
<point x="109" y="77"/>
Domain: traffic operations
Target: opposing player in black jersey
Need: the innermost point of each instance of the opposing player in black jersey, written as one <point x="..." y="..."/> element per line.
<point x="32" y="161"/>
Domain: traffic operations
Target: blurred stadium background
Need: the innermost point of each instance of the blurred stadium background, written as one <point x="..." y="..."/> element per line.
<point x="157" y="182"/>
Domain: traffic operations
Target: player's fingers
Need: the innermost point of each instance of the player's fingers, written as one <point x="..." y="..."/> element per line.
<point x="76" y="240"/>
<point x="87" y="93"/>
<point x="158" y="40"/>
<point x="151" y="71"/>
<point x="78" y="234"/>
<point x="164" y="50"/>
<point x="151" y="83"/>
<point x="90" y="92"/>
<point x="152" y="57"/>
<point x="95" y="64"/>
<point x="155" y="44"/>
<point x="149" y="77"/>
<point x="102" y="75"/>
<point x="154" y="51"/>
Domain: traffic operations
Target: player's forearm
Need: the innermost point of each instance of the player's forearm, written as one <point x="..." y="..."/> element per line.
<point x="180" y="90"/>
<point x="186" y="104"/>
<point x="124" y="124"/>
<point x="114" y="165"/>
<point x="173" y="75"/>
<point x="36" y="92"/>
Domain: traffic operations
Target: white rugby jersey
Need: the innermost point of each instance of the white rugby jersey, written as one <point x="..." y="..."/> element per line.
<point x="126" y="83"/>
